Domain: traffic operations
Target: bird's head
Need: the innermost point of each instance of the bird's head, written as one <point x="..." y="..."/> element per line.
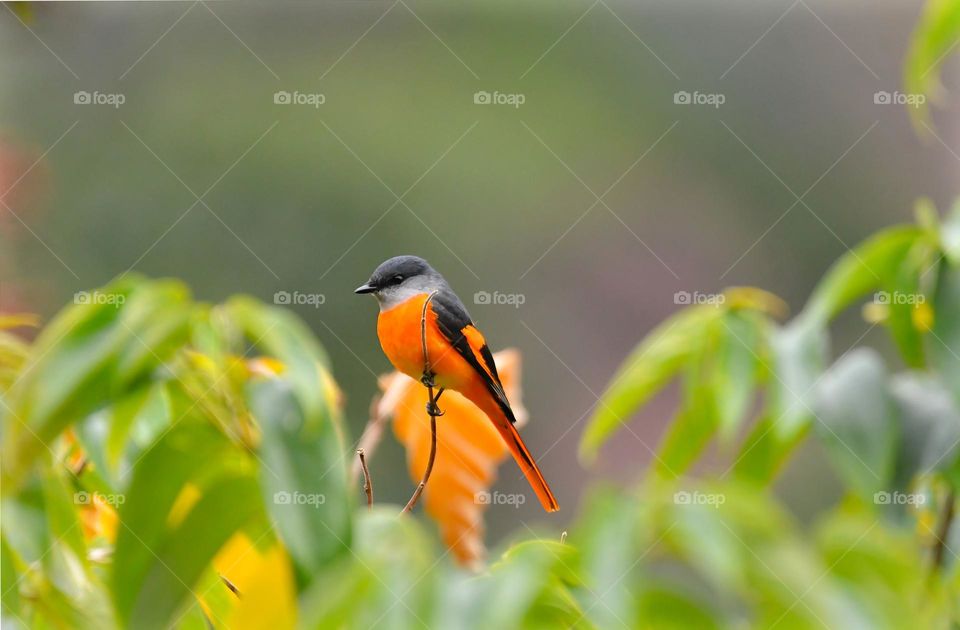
<point x="399" y="279"/>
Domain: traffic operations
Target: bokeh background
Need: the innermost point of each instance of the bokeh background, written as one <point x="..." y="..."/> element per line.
<point x="596" y="200"/>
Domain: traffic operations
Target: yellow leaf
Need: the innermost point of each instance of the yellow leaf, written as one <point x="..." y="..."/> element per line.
<point x="922" y="317"/>
<point x="17" y="320"/>
<point x="267" y="367"/>
<point x="266" y="595"/>
<point x="188" y="497"/>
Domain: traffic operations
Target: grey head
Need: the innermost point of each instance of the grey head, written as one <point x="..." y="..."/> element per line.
<point x="400" y="278"/>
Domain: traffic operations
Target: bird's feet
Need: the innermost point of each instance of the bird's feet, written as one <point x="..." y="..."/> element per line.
<point x="429" y="383"/>
<point x="427" y="379"/>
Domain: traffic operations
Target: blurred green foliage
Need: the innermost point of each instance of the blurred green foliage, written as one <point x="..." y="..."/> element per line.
<point x="731" y="351"/>
<point x="154" y="388"/>
<point x="200" y="423"/>
<point x="201" y="417"/>
<point x="934" y="40"/>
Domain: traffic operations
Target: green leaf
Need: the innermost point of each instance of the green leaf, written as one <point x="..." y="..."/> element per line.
<point x="282" y="335"/>
<point x="193" y="453"/>
<point x="880" y="566"/>
<point x="859" y="272"/>
<point x="607" y="536"/>
<point x="195" y="619"/>
<point x="858" y="421"/>
<point x="528" y="587"/>
<point x="120" y="418"/>
<point x="950" y="235"/>
<point x="218" y="600"/>
<point x="43" y="538"/>
<point x="134" y="422"/>
<point x="799" y="354"/>
<point x="653" y="364"/>
<point x="302" y="476"/>
<point x="90" y="354"/>
<point x="944" y="348"/>
<point x="736" y="369"/>
<point x="331" y="600"/>
<point x="750" y="552"/>
<point x="695" y="422"/>
<point x="24" y="523"/>
<point x="180" y="556"/>
<point x="303" y="448"/>
<point x="931" y="426"/>
<point x="719" y="529"/>
<point x="13" y="354"/>
<point x="718" y="389"/>
<point x="60" y="512"/>
<point x="763" y="453"/>
<point x="668" y="608"/>
<point x="524" y="588"/>
<point x="933" y="39"/>
<point x="903" y="297"/>
<point x="402" y="557"/>
<point x="9" y="577"/>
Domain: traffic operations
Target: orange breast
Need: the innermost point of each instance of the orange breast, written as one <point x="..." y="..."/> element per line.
<point x="400" y="337"/>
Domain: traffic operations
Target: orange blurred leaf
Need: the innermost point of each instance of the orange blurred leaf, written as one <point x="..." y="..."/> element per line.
<point x="469" y="449"/>
<point x="98" y="518"/>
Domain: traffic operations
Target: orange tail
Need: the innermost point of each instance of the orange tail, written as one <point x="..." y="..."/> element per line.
<point x="511" y="436"/>
<point x="527" y="464"/>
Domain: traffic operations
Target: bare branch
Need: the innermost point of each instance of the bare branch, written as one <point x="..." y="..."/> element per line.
<point x="367" y="483"/>
<point x="371" y="437"/>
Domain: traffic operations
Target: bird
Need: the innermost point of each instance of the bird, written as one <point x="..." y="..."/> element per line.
<point x="457" y="353"/>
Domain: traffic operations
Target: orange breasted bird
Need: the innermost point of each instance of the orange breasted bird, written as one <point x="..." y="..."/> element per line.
<point x="458" y="355"/>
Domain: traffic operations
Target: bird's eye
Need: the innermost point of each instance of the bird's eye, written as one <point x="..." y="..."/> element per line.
<point x="396" y="279"/>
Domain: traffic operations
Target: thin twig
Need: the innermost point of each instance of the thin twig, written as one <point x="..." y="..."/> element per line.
<point x="80" y="467"/>
<point x="367" y="483"/>
<point x="230" y="585"/>
<point x="432" y="410"/>
<point x="370" y="440"/>
<point x="426" y="475"/>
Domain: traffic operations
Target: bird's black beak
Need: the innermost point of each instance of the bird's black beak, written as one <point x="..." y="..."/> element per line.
<point x="365" y="288"/>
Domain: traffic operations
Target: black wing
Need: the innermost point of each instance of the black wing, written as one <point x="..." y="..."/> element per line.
<point x="452" y="319"/>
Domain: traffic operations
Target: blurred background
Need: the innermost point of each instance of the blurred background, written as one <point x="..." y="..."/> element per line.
<point x="578" y="163"/>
